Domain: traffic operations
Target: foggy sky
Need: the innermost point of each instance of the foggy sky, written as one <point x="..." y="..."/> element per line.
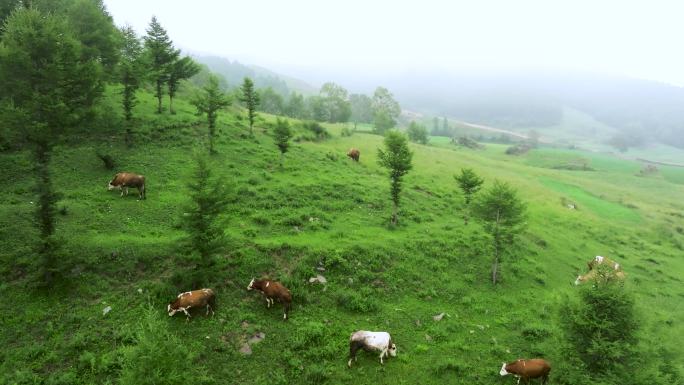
<point x="319" y="39"/>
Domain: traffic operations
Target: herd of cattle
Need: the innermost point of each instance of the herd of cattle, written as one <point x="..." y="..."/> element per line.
<point x="523" y="369"/>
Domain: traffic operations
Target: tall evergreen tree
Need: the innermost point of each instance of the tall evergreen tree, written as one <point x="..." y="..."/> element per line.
<point x="183" y="68"/>
<point x="208" y="199"/>
<point x="94" y="27"/>
<point x="161" y="54"/>
<point x="503" y="215"/>
<point x="130" y="74"/>
<point x="50" y="86"/>
<point x="397" y="159"/>
<point x="209" y="103"/>
<point x="250" y="98"/>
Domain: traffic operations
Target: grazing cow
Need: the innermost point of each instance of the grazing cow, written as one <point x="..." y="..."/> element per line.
<point x="193" y="299"/>
<point x="354" y="154"/>
<point x="273" y="290"/>
<point x="599" y="260"/>
<point x="596" y="273"/>
<point x="371" y="341"/>
<point x="124" y="180"/>
<point x="526" y="369"/>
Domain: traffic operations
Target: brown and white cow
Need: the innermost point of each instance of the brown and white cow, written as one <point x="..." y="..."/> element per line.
<point x="371" y="341"/>
<point x="354" y="153"/>
<point x="527" y="369"/>
<point x="193" y="299"/>
<point x="273" y="290"/>
<point x="124" y="180"/>
<point x="600" y="260"/>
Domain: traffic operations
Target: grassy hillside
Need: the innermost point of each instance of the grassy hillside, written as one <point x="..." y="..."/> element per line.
<point x="323" y="214"/>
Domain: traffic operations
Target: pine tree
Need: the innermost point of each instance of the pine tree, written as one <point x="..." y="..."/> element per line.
<point x="50" y="87"/>
<point x="130" y="74"/>
<point x="209" y="103"/>
<point x="180" y="69"/>
<point x="208" y="199"/>
<point x="503" y="214"/>
<point x="470" y="184"/>
<point x="161" y="54"/>
<point x="397" y="159"/>
<point x="602" y="327"/>
<point x="250" y="98"/>
<point x="281" y="136"/>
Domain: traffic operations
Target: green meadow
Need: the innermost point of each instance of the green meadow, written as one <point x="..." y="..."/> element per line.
<point x="324" y="214"/>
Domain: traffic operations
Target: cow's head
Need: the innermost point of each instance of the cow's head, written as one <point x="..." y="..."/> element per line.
<point x="171" y="311"/>
<point x="393" y="350"/>
<point x="249" y="287"/>
<point x="580" y="279"/>
<point x="110" y="186"/>
<point x="503" y="371"/>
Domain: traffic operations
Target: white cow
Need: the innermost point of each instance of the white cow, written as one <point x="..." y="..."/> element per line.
<point x="371" y="341"/>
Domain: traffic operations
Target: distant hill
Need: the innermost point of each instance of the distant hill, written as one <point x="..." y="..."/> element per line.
<point x="521" y="100"/>
<point x="234" y="72"/>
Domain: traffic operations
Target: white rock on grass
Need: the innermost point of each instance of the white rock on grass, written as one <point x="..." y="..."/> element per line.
<point x="438" y="317"/>
<point x="106" y="310"/>
<point x="246" y="349"/>
<point x="255" y="339"/>
<point x="319" y="278"/>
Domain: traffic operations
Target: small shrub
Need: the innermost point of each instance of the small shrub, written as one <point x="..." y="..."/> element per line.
<point x="346" y="131"/>
<point x="160" y="356"/>
<point x="518" y="149"/>
<point x="107" y="160"/>
<point x="319" y="132"/>
<point x="332" y="156"/>
<point x="358" y="302"/>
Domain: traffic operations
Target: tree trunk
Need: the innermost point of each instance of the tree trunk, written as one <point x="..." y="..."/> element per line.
<point x="159" y="97"/>
<point x="395" y="215"/>
<point x="171" y="105"/>
<point x="129" y="134"/>
<point x="282" y="160"/>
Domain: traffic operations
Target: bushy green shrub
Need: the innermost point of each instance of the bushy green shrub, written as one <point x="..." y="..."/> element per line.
<point x="160" y="357"/>
<point x="358" y="302"/>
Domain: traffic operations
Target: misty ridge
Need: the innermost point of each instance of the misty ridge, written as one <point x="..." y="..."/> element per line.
<point x="640" y="111"/>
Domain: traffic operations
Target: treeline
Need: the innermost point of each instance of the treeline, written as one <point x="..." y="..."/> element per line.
<point x="334" y="104"/>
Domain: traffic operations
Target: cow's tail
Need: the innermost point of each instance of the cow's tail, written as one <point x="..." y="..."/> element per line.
<point x="212" y="302"/>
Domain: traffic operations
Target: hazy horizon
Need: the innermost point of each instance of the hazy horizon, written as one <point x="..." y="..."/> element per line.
<point x="327" y="40"/>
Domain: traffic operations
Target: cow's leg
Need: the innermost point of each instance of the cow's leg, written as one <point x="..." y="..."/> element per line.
<point x="354" y="346"/>
<point x="208" y="307"/>
<point x="185" y="310"/>
<point x="122" y="191"/>
<point x="382" y="353"/>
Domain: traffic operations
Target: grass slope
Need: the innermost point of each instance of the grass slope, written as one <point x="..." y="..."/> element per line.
<point x="324" y="211"/>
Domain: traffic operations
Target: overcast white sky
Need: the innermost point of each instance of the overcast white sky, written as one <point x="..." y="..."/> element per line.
<point x="643" y="39"/>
